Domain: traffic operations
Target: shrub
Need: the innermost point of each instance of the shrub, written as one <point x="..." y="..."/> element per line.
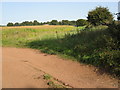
<point x="97" y="46"/>
<point x="114" y="30"/>
<point x="109" y="60"/>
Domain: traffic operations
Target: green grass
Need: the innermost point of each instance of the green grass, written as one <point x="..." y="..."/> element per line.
<point x="0" y="36"/>
<point x="98" y="46"/>
<point x="91" y="46"/>
<point x="54" y="85"/>
<point x="47" y="76"/>
<point x="19" y="37"/>
<point x="52" y="82"/>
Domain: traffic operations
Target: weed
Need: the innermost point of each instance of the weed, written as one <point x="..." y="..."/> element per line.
<point x="54" y="85"/>
<point x="47" y="76"/>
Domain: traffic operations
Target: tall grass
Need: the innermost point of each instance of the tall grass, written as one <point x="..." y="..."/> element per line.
<point x="20" y="36"/>
<point x="93" y="46"/>
<point x="98" y="46"/>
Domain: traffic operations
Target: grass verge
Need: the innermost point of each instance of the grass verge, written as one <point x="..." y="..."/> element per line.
<point x="99" y="46"/>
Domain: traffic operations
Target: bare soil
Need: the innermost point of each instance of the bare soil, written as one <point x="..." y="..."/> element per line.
<point x="24" y="68"/>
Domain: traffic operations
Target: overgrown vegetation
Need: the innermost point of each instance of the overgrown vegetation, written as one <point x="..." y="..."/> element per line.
<point x="98" y="45"/>
<point x="20" y="36"/>
<point x="94" y="46"/>
<point x="93" y="43"/>
<point x="52" y="82"/>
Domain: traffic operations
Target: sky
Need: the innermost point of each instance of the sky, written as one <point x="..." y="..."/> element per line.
<point x="47" y="11"/>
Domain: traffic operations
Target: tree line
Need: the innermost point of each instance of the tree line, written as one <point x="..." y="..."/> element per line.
<point x="79" y="22"/>
<point x="98" y="16"/>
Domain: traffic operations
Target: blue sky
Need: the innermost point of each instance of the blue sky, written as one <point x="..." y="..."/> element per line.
<point x="47" y="11"/>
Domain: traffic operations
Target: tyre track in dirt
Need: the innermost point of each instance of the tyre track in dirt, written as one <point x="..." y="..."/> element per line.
<point x="21" y="65"/>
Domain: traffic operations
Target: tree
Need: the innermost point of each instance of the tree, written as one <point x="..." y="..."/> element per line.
<point x="10" y="24"/>
<point x="65" y="22"/>
<point x="72" y="23"/>
<point x="47" y="22"/>
<point x="30" y="23"/>
<point x="100" y="16"/>
<point x="118" y="16"/>
<point x="81" y="22"/>
<point x="60" y="22"/>
<point x="25" y="23"/>
<point x="35" y="22"/>
<point x="54" y="22"/>
<point x="16" y="24"/>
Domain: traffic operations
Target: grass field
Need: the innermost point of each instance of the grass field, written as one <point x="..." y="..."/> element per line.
<point x="96" y="45"/>
<point x="20" y="36"/>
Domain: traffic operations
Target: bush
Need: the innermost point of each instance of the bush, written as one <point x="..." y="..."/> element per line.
<point x="109" y="60"/>
<point x="96" y="46"/>
<point x="99" y="48"/>
<point x="114" y="30"/>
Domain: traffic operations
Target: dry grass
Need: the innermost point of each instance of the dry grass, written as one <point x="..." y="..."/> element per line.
<point x="37" y="27"/>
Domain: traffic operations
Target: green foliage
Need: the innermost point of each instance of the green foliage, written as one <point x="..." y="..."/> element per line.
<point x="72" y="23"/>
<point x="26" y="23"/>
<point x="114" y="30"/>
<point x="35" y="22"/>
<point x="51" y="81"/>
<point x="98" y="45"/>
<point x="65" y="22"/>
<point x="54" y="22"/>
<point x="18" y="37"/>
<point x="93" y="46"/>
<point x="10" y="24"/>
<point x="81" y="22"/>
<point x="54" y="85"/>
<point x="47" y="76"/>
<point x="16" y="24"/>
<point x="100" y="16"/>
<point x="109" y="60"/>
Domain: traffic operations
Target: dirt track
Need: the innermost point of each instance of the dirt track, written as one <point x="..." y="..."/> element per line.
<point x="23" y="67"/>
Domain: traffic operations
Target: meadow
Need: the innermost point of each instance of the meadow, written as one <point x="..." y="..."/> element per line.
<point x="21" y="35"/>
<point x="96" y="46"/>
